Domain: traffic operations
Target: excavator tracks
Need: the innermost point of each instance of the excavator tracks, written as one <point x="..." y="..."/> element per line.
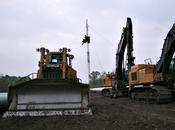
<point x="152" y="94"/>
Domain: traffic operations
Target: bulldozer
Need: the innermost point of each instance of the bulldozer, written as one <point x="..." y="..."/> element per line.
<point x="155" y="83"/>
<point x="56" y="90"/>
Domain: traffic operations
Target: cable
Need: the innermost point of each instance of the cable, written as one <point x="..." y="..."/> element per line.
<point x="102" y="36"/>
<point x="98" y="59"/>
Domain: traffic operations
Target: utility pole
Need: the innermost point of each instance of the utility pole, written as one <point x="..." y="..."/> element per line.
<point x="87" y="40"/>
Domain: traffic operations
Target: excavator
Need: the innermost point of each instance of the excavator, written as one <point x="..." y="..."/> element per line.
<point x="155" y="83"/>
<point x="148" y="82"/>
<point x="55" y="91"/>
<point x="119" y="79"/>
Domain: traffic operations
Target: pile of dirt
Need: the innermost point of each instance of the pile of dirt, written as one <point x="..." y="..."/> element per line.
<point x="108" y="114"/>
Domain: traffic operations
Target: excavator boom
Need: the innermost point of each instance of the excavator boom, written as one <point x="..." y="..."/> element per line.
<point x="126" y="40"/>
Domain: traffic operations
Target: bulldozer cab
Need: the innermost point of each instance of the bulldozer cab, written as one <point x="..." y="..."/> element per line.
<point x="55" y="58"/>
<point x="56" y="64"/>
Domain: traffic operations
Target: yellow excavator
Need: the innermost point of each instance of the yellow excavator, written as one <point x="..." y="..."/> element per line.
<point x="55" y="91"/>
<point x="155" y="82"/>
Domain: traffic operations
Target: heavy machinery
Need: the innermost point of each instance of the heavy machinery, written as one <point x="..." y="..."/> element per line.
<point x="105" y="88"/>
<point x="56" y="65"/>
<point x="55" y="91"/>
<point x="119" y="80"/>
<point x="155" y="83"/>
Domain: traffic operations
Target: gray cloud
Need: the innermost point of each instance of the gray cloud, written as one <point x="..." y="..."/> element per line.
<point x="26" y="25"/>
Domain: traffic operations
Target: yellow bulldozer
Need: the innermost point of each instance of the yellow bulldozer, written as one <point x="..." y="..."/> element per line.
<point x="55" y="91"/>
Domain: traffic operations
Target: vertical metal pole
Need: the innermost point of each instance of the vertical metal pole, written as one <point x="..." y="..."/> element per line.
<point x="64" y="63"/>
<point x="88" y="61"/>
<point x="41" y="63"/>
<point x="87" y="27"/>
<point x="88" y="53"/>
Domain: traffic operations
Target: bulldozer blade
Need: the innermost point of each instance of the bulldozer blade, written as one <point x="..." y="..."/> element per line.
<point x="46" y="97"/>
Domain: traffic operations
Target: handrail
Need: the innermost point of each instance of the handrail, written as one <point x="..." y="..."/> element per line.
<point x="24" y="79"/>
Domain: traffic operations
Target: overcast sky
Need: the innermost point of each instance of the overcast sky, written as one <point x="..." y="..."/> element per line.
<point x="28" y="24"/>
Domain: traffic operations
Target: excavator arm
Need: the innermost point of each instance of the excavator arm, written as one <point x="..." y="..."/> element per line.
<point x="120" y="55"/>
<point x="126" y="40"/>
<point x="167" y="51"/>
<point x="167" y="54"/>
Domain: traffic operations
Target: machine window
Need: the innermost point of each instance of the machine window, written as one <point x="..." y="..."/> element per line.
<point x="55" y="59"/>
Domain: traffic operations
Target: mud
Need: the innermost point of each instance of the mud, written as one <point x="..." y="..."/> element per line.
<point x="108" y="114"/>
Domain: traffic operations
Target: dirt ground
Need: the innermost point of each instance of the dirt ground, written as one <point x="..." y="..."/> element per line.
<point x="108" y="114"/>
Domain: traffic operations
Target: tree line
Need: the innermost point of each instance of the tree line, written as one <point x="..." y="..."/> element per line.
<point x="96" y="78"/>
<point x="7" y="80"/>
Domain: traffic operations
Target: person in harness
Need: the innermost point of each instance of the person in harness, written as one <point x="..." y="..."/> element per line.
<point x="114" y="86"/>
<point x="115" y="89"/>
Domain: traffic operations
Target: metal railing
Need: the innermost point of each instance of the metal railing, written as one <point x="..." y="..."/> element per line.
<point x="24" y="79"/>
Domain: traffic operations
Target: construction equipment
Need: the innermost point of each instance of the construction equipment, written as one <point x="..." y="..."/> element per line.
<point x="105" y="88"/>
<point x="55" y="91"/>
<point x="119" y="80"/>
<point x="155" y="83"/>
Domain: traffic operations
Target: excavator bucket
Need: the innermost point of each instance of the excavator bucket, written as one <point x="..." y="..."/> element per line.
<point x="45" y="97"/>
